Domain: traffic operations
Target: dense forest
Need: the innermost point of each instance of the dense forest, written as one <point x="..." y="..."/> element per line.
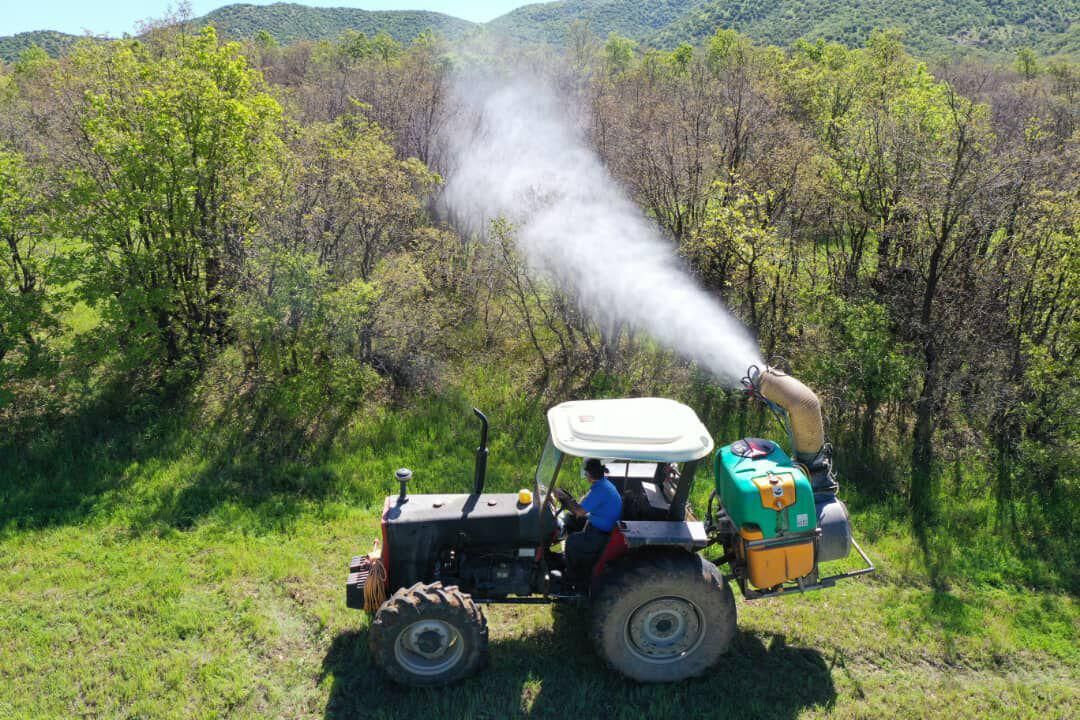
<point x="287" y="22"/>
<point x="240" y="246"/>
<point x="929" y="28"/>
<point x="982" y="28"/>
<point x="944" y="28"/>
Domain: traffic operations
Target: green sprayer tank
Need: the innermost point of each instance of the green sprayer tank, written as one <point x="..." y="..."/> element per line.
<point x="755" y="479"/>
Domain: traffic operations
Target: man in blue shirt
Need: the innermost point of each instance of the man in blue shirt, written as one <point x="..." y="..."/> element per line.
<point x="602" y="506"/>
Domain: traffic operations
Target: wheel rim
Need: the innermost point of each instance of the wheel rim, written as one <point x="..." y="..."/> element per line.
<point x="665" y="629"/>
<point x="429" y="647"/>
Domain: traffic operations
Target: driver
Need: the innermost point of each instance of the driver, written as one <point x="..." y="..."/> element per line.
<point x="602" y="507"/>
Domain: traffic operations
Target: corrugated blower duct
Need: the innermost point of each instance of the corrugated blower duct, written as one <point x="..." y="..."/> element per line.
<point x="803" y="409"/>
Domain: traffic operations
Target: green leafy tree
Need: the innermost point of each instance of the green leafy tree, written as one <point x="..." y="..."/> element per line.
<point x="265" y="40"/>
<point x="860" y="358"/>
<point x="619" y="53"/>
<point x="326" y="284"/>
<point x="304" y="329"/>
<point x="739" y="252"/>
<point x="727" y="48"/>
<point x="1029" y="387"/>
<point x="1027" y="63"/>
<point x="171" y="133"/>
<point x="681" y="57"/>
<point x="25" y="244"/>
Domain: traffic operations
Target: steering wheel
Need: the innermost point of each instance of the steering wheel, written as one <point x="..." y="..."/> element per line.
<point x="560" y="514"/>
<point x="559" y="500"/>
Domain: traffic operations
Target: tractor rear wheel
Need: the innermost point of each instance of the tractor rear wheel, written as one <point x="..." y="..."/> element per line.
<point x="663" y="617"/>
<point x="429" y="635"/>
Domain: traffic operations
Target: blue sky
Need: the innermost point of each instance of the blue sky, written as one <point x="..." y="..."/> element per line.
<point x="115" y="17"/>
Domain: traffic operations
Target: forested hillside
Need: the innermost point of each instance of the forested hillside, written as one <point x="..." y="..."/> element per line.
<point x="550" y="22"/>
<point x="234" y="299"/>
<point x="52" y="42"/>
<point x="288" y="22"/>
<point x="283" y="22"/>
<point x="930" y="28"/>
<point x="1048" y="27"/>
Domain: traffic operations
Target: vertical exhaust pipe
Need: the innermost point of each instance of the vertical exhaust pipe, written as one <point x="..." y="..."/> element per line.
<point x="481" y="454"/>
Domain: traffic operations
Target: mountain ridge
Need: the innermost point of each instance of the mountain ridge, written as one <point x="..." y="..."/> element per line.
<point x="51" y="41"/>
<point x="930" y="27"/>
<point x="549" y="22"/>
<point x="289" y="22"/>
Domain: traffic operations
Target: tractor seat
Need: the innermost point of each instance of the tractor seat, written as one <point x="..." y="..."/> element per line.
<point x="632" y="506"/>
<point x="641" y="492"/>
<point x="645" y="502"/>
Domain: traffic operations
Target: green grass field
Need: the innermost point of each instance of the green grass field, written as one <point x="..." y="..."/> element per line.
<point x="155" y="567"/>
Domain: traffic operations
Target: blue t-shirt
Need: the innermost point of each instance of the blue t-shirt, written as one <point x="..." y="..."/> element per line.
<point x="604" y="505"/>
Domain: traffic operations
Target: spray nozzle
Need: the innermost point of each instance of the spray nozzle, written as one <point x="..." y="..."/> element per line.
<point x="751" y="382"/>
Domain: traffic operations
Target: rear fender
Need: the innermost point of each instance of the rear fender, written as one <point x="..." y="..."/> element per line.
<point x="649" y="535"/>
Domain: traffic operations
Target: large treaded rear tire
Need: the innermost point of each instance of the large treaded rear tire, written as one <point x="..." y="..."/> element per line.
<point x="429" y="635"/>
<point x="663" y="617"/>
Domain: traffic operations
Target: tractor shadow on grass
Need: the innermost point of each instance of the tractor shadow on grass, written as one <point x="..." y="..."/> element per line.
<point x="553" y="673"/>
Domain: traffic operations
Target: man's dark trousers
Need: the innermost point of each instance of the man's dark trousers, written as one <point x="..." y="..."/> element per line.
<point x="583" y="550"/>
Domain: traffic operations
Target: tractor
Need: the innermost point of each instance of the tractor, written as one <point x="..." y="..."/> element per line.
<point x="660" y="611"/>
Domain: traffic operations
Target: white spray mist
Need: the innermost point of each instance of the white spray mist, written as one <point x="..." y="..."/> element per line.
<point x="520" y="156"/>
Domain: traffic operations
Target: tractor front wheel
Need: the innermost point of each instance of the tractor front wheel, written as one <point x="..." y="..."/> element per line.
<point x="663" y="617"/>
<point x="429" y="635"/>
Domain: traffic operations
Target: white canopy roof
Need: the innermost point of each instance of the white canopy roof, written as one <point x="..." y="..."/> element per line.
<point x="630" y="428"/>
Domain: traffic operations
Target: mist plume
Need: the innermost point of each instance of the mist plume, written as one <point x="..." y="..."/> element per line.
<point x="518" y="154"/>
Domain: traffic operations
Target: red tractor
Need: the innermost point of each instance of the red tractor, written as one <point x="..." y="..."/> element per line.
<point x="660" y="611"/>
